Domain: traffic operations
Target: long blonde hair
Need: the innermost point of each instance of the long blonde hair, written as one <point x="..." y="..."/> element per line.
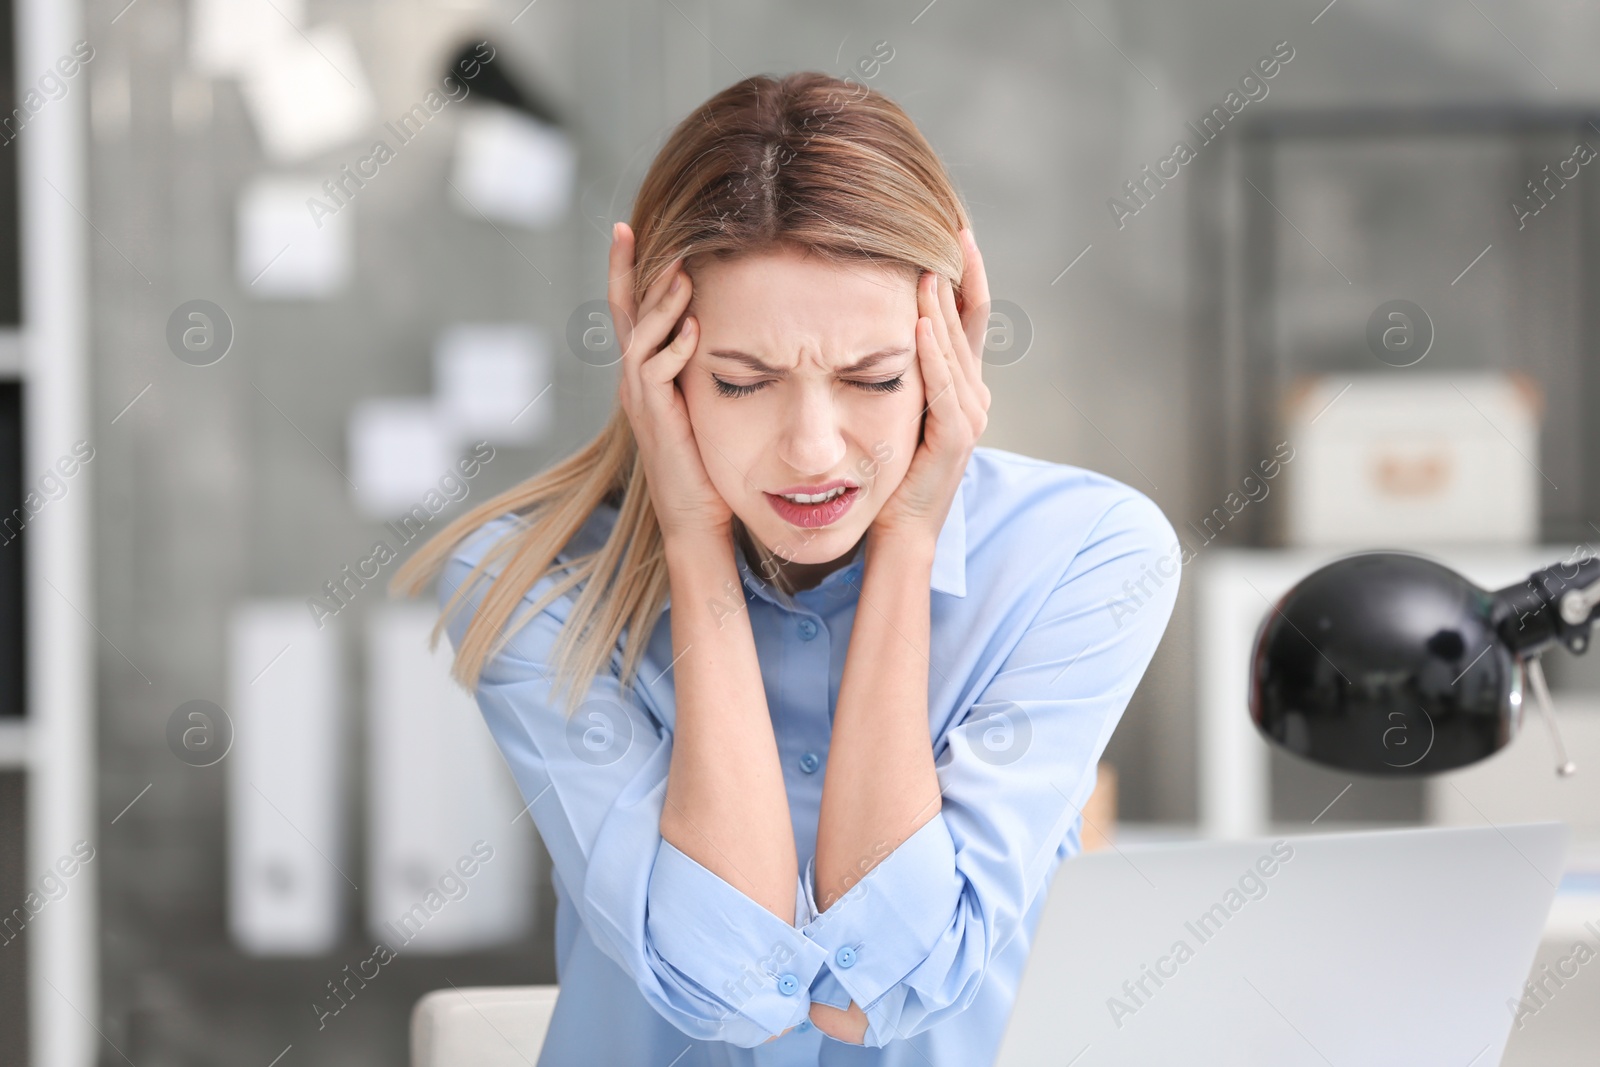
<point x="807" y="161"/>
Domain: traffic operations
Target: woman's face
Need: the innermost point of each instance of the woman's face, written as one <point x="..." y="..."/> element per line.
<point x="804" y="378"/>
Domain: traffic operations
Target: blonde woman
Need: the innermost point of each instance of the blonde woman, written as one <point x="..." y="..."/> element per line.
<point x="803" y="689"/>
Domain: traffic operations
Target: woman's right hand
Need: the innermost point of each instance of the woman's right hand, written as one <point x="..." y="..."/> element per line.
<point x="685" y="501"/>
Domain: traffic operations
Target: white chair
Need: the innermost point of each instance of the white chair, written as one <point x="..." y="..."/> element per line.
<point x="499" y="1026"/>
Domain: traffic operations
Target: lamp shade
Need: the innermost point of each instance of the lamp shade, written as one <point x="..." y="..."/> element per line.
<point x="1388" y="664"/>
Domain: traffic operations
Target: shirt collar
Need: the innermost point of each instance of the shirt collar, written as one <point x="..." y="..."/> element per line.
<point x="950" y="552"/>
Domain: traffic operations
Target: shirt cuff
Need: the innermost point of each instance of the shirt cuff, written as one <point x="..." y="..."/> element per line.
<point x="887" y="923"/>
<point x="826" y="989"/>
<point x="739" y="952"/>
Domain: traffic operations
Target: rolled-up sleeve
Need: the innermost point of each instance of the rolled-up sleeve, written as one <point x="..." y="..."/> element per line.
<point x="910" y="942"/>
<point x="712" y="961"/>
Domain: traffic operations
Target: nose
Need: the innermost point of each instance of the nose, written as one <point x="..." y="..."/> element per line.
<point x="810" y="442"/>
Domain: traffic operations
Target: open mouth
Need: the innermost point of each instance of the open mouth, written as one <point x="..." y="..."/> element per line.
<point x="814" y="498"/>
<point x="813" y="510"/>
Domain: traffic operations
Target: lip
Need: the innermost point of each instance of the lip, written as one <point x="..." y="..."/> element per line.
<point x="814" y="516"/>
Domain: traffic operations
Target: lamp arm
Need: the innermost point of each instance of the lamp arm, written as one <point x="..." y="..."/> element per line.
<point x="1558" y="603"/>
<point x="1546" y="706"/>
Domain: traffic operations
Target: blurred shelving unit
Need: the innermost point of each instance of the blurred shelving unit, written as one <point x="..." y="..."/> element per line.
<point x="1304" y="226"/>
<point x="48" y="662"/>
<point x="1318" y="217"/>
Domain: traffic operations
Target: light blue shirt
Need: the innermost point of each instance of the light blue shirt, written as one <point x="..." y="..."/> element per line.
<point x="1051" y="587"/>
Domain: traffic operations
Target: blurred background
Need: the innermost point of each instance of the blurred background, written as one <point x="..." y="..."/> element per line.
<point x="284" y="284"/>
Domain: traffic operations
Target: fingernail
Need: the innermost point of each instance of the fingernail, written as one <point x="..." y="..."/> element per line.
<point x="676" y="280"/>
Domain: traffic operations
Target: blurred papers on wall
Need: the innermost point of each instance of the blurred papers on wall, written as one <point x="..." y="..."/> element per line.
<point x="513" y="168"/>
<point x="307" y="94"/>
<point x="305" y="88"/>
<point x="399" y="450"/>
<point x="284" y="252"/>
<point x="490" y="381"/>
<point x="226" y="37"/>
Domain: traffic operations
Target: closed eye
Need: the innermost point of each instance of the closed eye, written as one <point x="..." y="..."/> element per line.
<point x="888" y="386"/>
<point x="729" y="389"/>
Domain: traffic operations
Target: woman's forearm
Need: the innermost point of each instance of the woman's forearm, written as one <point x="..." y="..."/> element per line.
<point x="726" y="806"/>
<point x="880" y="785"/>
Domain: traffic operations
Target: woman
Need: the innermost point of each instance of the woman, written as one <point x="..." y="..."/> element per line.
<point x="836" y="681"/>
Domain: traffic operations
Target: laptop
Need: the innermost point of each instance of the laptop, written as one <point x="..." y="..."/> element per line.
<point x="1390" y="947"/>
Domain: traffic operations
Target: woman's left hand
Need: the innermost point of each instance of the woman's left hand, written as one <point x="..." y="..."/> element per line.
<point x="950" y="355"/>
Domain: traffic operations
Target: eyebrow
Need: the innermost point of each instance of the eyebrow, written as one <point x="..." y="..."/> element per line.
<point x="865" y="363"/>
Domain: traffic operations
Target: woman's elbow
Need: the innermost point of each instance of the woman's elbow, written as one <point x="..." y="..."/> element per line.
<point x="848" y="1025"/>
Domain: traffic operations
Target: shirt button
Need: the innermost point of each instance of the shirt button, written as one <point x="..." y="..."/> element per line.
<point x="805" y="1024"/>
<point x="845" y="957"/>
<point x="808" y="629"/>
<point x="788" y="984"/>
<point x="809" y="762"/>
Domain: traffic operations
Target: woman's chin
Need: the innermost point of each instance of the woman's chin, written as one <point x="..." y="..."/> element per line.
<point x="803" y="546"/>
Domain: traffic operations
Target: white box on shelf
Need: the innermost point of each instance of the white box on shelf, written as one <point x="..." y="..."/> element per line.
<point x="1408" y="459"/>
<point x="450" y="853"/>
<point x="286" y="873"/>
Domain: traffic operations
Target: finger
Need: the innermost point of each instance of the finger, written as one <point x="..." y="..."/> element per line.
<point x="619" y="283"/>
<point x="951" y="317"/>
<point x="660" y="287"/>
<point x="960" y="350"/>
<point x="656" y="376"/>
<point x="656" y="319"/>
<point x="650" y="330"/>
<point x="937" y="383"/>
<point x="933" y="304"/>
<point x="669" y="362"/>
<point x="974" y="294"/>
<point x="928" y="303"/>
<point x="963" y="364"/>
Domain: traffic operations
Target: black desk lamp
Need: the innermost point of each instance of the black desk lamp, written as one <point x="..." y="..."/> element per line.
<point x="1391" y="664"/>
